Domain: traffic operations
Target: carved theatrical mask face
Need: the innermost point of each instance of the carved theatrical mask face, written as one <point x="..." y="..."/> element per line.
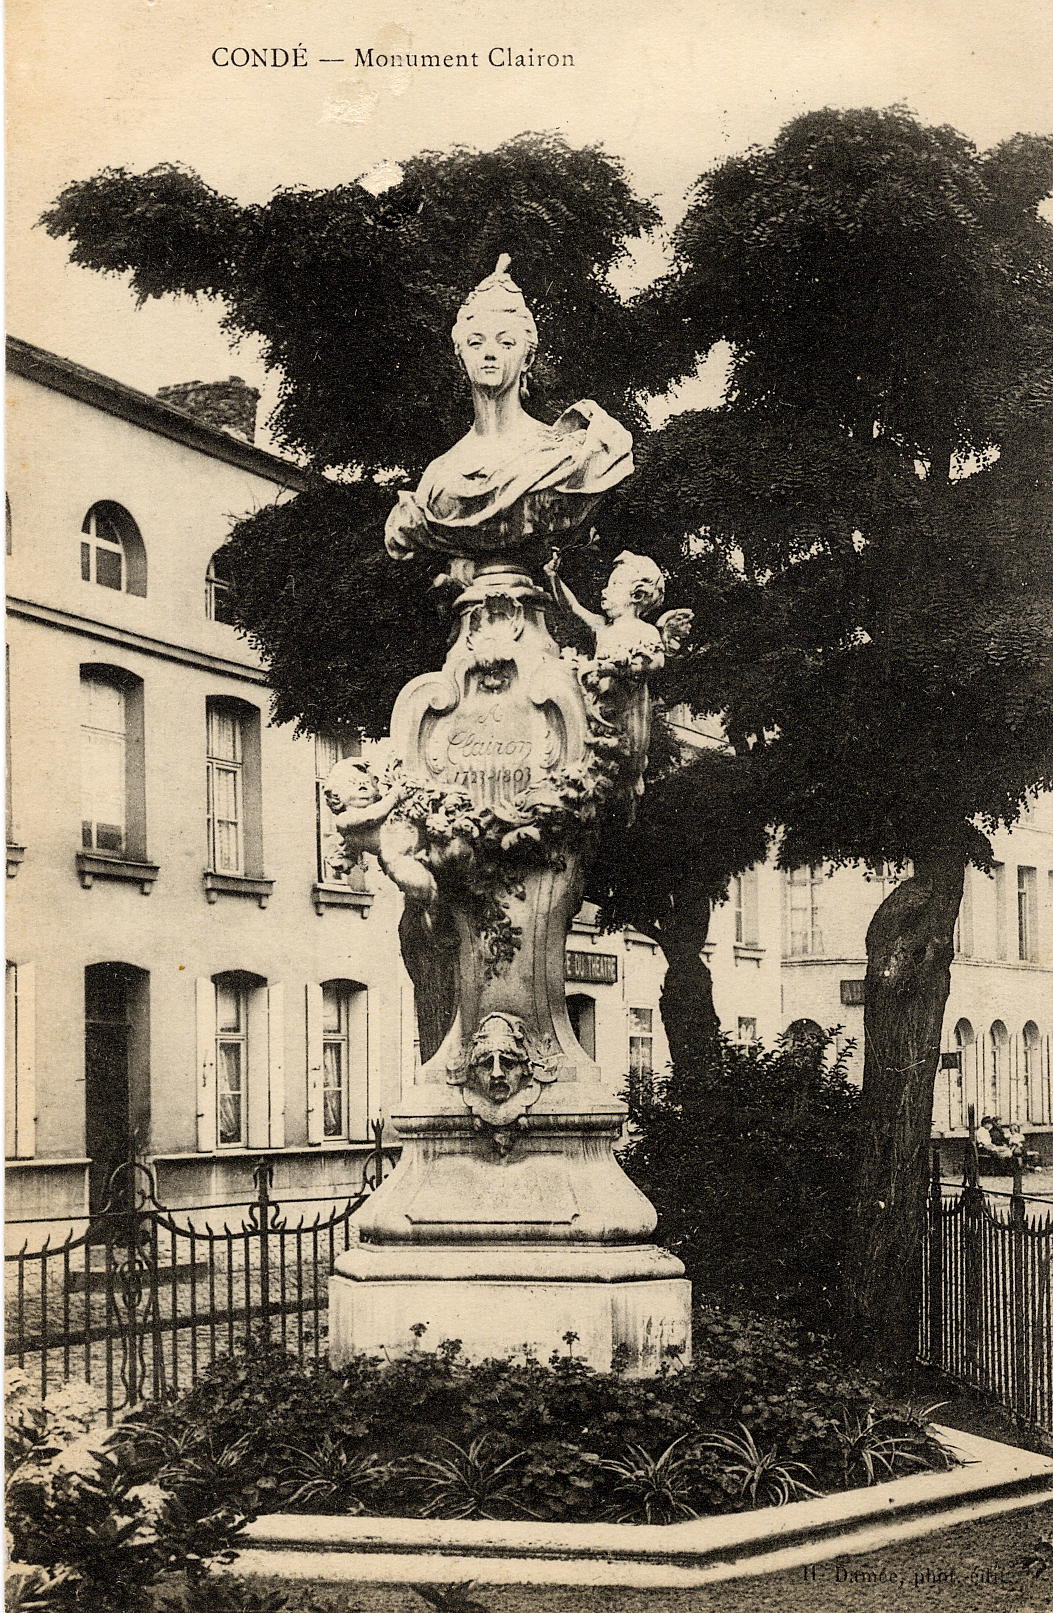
<point x="499" y="1067"/>
<point x="350" y="784"/>
<point x="495" y="351"/>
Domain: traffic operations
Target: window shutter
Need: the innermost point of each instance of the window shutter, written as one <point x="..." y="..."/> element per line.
<point x="25" y="1073"/>
<point x="315" y="1115"/>
<point x="206" y="1065"/>
<point x="276" y="1065"/>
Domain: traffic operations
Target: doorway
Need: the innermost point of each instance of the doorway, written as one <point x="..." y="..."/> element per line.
<point x="115" y="1047"/>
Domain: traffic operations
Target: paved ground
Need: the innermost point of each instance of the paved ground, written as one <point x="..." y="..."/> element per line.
<point x="1038" y="1185"/>
<point x="992" y="1566"/>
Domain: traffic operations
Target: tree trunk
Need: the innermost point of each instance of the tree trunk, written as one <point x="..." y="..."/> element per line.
<point x="910" y="945"/>
<point x="431" y="963"/>
<point x="686" y="1002"/>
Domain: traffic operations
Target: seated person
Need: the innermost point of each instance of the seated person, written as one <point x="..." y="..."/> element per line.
<point x="990" y="1139"/>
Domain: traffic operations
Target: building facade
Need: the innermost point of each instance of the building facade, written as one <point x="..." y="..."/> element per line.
<point x="187" y="977"/>
<point x="996" y="1044"/>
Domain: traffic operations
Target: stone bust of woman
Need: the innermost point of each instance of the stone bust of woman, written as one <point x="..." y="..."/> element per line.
<point x="511" y="481"/>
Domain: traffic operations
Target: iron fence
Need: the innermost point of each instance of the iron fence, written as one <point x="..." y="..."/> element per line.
<point x="987" y="1292"/>
<point x="145" y="1297"/>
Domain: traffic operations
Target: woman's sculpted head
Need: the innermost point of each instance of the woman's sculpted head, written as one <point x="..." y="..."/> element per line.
<point x="495" y="336"/>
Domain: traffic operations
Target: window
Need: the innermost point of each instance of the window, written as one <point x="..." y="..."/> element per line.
<point x="218" y="586"/>
<point x="20" y="1085"/>
<point x="1027" y="914"/>
<point x="582" y="1011"/>
<point x="747" y="1031"/>
<point x="104" y="740"/>
<point x="1032" y="1069"/>
<point x="641" y="1042"/>
<point x="802" y="890"/>
<point x="337" y="1064"/>
<point x="232" y="1061"/>
<point x="804" y="1033"/>
<point x="965" y="1083"/>
<point x="963" y="926"/>
<point x="226" y="791"/>
<point x="329" y="749"/>
<point x="336" y="1059"/>
<point x="113" y="779"/>
<point x="998" y="1066"/>
<point x="235" y="829"/>
<point x="111" y="550"/>
<point x="113" y="783"/>
<point x="1000" y="917"/>
<point x="745" y="893"/>
<point x="241" y="1063"/>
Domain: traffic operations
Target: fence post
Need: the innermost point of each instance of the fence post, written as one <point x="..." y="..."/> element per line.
<point x="972" y="1253"/>
<point x="1019" y="1318"/>
<point x="934" y="1329"/>
<point x="262" y="1181"/>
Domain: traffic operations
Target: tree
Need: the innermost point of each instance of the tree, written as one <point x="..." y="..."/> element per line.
<point x="877" y="489"/>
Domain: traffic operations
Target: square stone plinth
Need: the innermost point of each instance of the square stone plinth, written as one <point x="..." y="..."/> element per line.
<point x="637" y="1321"/>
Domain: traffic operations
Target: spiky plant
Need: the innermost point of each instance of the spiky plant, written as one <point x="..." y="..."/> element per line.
<point x="653" y="1489"/>
<point x="761" y="1476"/>
<point x="472" y="1483"/>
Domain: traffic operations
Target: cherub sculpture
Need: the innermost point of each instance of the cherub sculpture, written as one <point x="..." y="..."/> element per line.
<point x="627" y="649"/>
<point x="635" y="588"/>
<point x="367" y="819"/>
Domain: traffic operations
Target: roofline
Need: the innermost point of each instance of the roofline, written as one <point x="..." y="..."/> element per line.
<point x="128" y="403"/>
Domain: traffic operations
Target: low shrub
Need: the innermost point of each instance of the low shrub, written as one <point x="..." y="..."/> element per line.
<point x="764" y="1413"/>
<point x="747" y="1159"/>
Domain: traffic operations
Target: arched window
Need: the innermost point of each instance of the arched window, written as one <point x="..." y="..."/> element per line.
<point x="1031" y="1069"/>
<point x="998" y="1067"/>
<point x="804" y="1033"/>
<point x="218" y="584"/>
<point x="241" y="1056"/>
<point x="337" y="1061"/>
<point x="112" y="553"/>
<point x="965" y="1046"/>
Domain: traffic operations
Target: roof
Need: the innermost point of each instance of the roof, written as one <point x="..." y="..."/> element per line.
<point x="128" y="403"/>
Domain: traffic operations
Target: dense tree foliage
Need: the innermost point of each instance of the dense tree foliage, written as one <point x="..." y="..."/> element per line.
<point x="877" y="484"/>
<point x="354" y="293"/>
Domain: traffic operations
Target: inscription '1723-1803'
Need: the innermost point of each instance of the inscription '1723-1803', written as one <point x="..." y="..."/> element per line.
<point x="488" y="756"/>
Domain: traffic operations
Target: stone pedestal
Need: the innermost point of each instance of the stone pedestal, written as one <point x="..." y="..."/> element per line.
<point x="508" y="1222"/>
<point x="629" y="1305"/>
<point x="502" y="1251"/>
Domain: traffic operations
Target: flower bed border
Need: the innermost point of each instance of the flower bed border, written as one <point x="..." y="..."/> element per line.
<point x="993" y="1477"/>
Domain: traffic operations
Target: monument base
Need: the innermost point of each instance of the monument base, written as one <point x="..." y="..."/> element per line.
<point x="629" y="1305"/>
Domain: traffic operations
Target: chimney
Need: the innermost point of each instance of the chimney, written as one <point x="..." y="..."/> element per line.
<point x="229" y="406"/>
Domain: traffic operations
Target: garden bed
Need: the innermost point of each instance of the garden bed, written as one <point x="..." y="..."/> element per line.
<point x="381" y="1454"/>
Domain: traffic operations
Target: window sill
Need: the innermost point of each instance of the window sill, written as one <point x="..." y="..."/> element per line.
<point x="92" y="865"/>
<point x="15" y="856"/>
<point x="324" y="896"/>
<point x="749" y="950"/>
<point x="217" y="885"/>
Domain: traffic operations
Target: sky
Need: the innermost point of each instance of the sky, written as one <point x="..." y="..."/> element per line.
<point x="670" y="86"/>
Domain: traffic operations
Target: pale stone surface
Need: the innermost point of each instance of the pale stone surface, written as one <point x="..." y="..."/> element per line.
<point x="992" y="1478"/>
<point x="640" y="1321"/>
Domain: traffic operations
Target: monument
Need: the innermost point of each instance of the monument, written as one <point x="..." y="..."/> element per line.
<point x="508" y="1221"/>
